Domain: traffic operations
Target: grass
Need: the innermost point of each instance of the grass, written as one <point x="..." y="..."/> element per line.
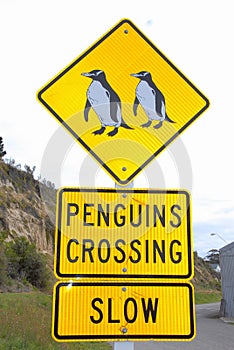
<point x="25" y="324"/>
<point x="207" y="296"/>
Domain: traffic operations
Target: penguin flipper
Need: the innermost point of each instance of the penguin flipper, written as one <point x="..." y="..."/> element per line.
<point x="135" y="105"/>
<point x="159" y="101"/>
<point x="113" y="111"/>
<point x="86" y="110"/>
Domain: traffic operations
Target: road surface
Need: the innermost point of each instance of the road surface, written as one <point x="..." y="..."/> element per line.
<point x="212" y="333"/>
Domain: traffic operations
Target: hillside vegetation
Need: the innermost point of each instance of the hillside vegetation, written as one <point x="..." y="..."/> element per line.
<point x="204" y="276"/>
<point x="26" y="230"/>
<point x="23" y="212"/>
<point x="206" y="282"/>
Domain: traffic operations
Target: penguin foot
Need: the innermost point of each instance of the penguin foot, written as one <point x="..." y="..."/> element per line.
<point x="146" y="125"/>
<point x="113" y="132"/>
<point x="157" y="126"/>
<point x="99" y="131"/>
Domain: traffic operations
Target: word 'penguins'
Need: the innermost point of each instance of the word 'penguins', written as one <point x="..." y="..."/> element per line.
<point x="151" y="99"/>
<point x="105" y="103"/>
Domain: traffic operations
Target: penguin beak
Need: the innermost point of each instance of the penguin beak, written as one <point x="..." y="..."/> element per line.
<point x="134" y="75"/>
<point x="86" y="74"/>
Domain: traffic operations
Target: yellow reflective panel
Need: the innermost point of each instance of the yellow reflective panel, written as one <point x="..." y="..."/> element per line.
<point x="123" y="233"/>
<point x="123" y="101"/>
<point x="121" y="311"/>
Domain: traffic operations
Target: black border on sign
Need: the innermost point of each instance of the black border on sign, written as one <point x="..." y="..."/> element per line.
<point x="124" y="336"/>
<point x="79" y="139"/>
<point x="107" y="190"/>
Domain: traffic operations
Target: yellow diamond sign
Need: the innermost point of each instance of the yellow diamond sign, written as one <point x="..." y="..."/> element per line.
<point x="123" y="101"/>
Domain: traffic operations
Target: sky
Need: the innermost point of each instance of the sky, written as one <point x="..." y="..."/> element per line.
<point x="40" y="38"/>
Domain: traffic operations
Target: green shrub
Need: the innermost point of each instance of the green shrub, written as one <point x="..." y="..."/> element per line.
<point x="25" y="263"/>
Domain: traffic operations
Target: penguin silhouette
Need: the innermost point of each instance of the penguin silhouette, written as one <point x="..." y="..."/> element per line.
<point x="151" y="99"/>
<point x="105" y="103"/>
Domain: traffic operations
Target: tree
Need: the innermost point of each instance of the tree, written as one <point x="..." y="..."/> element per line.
<point x="2" y="152"/>
<point x="29" y="170"/>
<point x="212" y="257"/>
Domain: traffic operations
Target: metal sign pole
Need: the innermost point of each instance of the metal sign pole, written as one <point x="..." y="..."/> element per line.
<point x="125" y="345"/>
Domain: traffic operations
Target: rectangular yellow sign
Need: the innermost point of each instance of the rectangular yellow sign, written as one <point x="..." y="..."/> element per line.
<point x="123" y="233"/>
<point x="123" y="311"/>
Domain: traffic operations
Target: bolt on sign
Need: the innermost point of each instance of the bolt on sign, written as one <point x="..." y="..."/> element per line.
<point x="123" y="311"/>
<point x="123" y="90"/>
<point x="130" y="233"/>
